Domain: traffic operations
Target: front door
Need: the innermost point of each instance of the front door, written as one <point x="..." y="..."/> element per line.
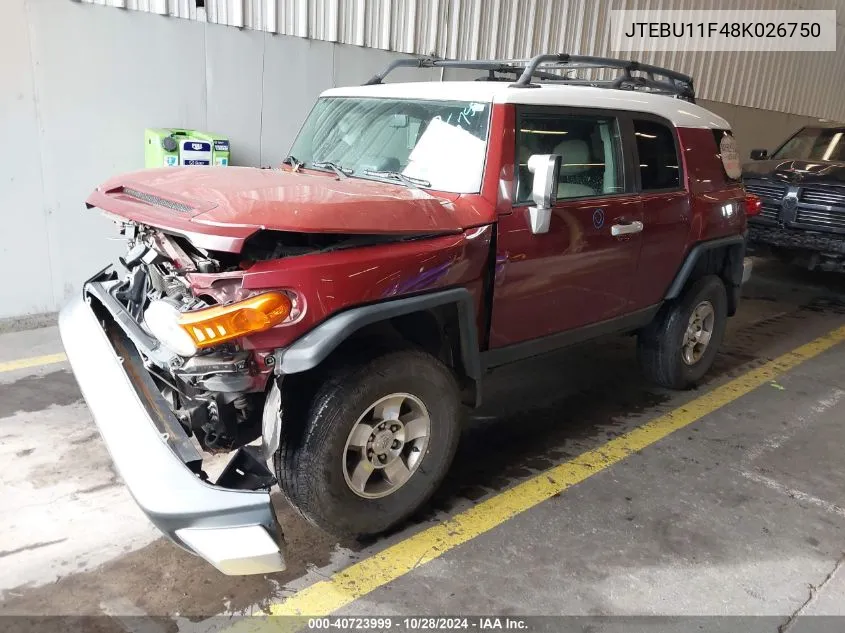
<point x="581" y="272"/>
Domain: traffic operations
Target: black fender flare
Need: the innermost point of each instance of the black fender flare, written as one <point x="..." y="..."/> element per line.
<point x="736" y="244"/>
<point x="314" y="347"/>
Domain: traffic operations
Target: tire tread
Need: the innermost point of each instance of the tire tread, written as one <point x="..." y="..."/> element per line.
<point x="658" y="343"/>
<point x="310" y="421"/>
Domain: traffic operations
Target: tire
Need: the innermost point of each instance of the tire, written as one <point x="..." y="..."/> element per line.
<point x="661" y="345"/>
<point x="315" y="464"/>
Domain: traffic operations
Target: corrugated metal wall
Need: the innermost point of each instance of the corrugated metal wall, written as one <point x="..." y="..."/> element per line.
<point x="801" y="83"/>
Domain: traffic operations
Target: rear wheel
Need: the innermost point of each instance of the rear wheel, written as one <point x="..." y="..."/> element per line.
<point x="377" y="439"/>
<point x="679" y="346"/>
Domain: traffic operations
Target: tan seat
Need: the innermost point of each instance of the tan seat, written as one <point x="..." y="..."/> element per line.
<point x="575" y="156"/>
<point x="529" y="144"/>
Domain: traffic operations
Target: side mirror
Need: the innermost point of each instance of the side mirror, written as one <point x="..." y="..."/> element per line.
<point x="545" y="168"/>
<point x="759" y="154"/>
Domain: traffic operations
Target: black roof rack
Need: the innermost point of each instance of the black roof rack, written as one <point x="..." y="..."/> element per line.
<point x="653" y="78"/>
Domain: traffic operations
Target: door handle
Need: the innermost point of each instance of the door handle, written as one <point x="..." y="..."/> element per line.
<point x="626" y="229"/>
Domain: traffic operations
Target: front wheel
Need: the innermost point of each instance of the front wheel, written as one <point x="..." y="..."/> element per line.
<point x="377" y="439"/>
<point x="678" y="347"/>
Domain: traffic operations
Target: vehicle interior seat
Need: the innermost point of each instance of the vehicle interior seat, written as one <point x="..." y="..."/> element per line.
<point x="529" y="144"/>
<point x="578" y="178"/>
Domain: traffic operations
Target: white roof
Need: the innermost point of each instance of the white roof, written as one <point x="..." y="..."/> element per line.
<point x="680" y="113"/>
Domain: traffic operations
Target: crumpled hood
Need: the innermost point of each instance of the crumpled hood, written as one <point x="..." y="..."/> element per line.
<point x="234" y="202"/>
<point x="796" y="172"/>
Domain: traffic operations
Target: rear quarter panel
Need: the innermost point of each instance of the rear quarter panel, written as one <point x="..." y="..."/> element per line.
<point x="718" y="208"/>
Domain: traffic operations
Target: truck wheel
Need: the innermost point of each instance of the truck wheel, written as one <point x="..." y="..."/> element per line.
<point x="377" y="440"/>
<point x="679" y="346"/>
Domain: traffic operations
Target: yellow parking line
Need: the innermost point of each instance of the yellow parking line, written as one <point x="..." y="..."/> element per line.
<point x="324" y="597"/>
<point x="35" y="361"/>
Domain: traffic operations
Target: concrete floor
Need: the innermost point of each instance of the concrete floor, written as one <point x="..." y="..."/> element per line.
<point x="741" y="513"/>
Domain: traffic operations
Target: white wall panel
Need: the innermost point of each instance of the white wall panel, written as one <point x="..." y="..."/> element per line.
<point x="801" y="83"/>
<point x="24" y="247"/>
<point x="234" y="76"/>
<point x="93" y="103"/>
<point x="296" y="71"/>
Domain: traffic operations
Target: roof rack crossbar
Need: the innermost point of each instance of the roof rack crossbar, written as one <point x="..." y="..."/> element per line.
<point x="424" y="62"/>
<point x="510" y="66"/>
<point x="656" y="78"/>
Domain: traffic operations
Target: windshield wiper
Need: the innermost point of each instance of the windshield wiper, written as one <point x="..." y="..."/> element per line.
<point x="342" y="172"/>
<point x="293" y="161"/>
<point x="395" y="175"/>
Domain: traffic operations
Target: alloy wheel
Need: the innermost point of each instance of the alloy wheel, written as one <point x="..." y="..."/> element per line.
<point x="386" y="445"/>
<point x="698" y="333"/>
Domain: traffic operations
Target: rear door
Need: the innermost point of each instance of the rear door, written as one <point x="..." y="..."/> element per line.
<point x="581" y="271"/>
<point x="666" y="211"/>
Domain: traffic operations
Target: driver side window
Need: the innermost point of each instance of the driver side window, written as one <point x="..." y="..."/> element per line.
<point x="590" y="150"/>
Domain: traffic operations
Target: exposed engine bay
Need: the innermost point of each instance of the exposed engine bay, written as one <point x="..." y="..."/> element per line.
<point x="216" y="394"/>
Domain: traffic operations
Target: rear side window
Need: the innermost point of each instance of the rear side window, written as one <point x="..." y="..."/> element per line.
<point x="590" y="148"/>
<point x="660" y="168"/>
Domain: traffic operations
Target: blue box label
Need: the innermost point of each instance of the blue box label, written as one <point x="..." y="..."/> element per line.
<point x="197" y="146"/>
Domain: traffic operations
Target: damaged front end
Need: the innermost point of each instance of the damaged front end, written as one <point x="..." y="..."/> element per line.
<point x="191" y="343"/>
<point x="181" y="346"/>
<point x="164" y="374"/>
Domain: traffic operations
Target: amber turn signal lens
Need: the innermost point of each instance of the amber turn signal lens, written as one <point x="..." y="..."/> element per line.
<point x="212" y="326"/>
<point x="753" y="204"/>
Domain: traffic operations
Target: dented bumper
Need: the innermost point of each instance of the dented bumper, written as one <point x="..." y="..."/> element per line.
<point x="234" y="530"/>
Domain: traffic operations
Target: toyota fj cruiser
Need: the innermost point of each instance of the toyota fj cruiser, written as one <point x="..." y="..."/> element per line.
<point x="343" y="307"/>
<point x="802" y="187"/>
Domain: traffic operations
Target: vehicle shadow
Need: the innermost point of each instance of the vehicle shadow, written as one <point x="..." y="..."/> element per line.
<point x="543" y="411"/>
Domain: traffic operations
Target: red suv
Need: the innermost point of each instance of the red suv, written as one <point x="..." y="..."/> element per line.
<point x="342" y="308"/>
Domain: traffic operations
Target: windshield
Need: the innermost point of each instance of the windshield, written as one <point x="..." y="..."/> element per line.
<point x="436" y="144"/>
<point x="814" y="143"/>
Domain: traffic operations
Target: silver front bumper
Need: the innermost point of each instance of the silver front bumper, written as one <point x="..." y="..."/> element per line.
<point x="234" y="530"/>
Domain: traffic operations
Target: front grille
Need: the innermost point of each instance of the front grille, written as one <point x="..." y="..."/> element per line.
<point x="764" y="189"/>
<point x="827" y="196"/>
<point x="770" y="212"/>
<point x="155" y="200"/>
<point x="820" y="218"/>
<point x="822" y="208"/>
<point x="770" y="195"/>
<point x="819" y="207"/>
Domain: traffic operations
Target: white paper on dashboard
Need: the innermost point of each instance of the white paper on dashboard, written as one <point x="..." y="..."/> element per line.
<point x="450" y="158"/>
